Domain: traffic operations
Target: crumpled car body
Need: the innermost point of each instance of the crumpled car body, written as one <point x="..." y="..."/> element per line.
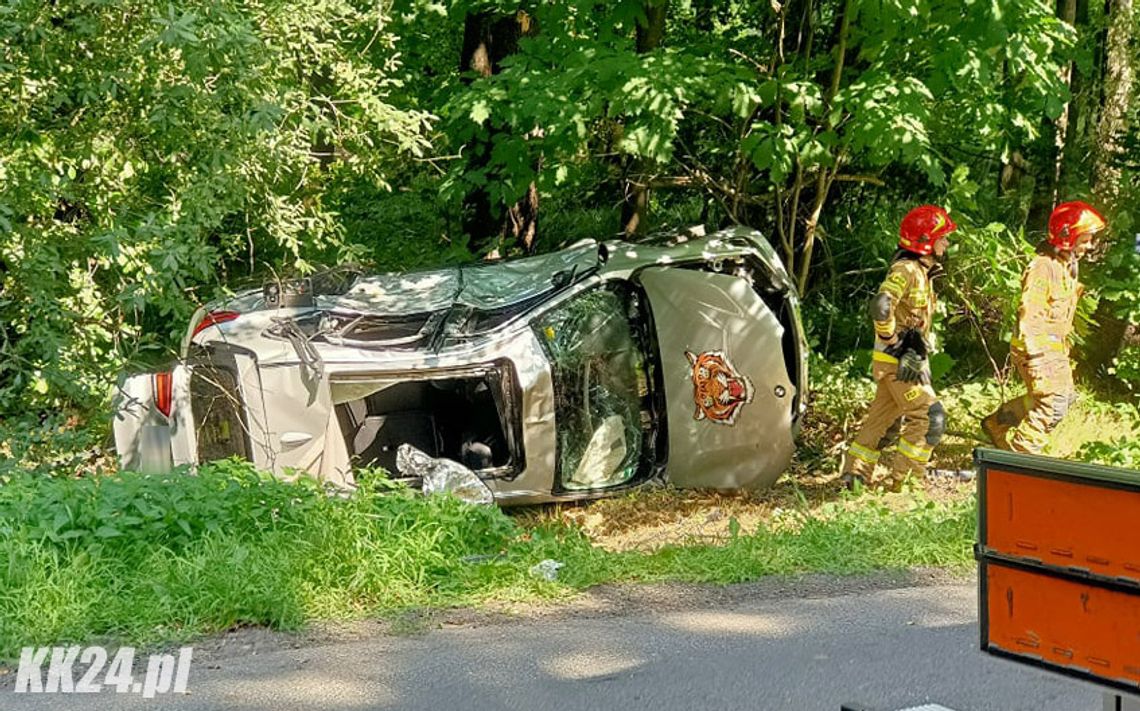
<point x="569" y="375"/>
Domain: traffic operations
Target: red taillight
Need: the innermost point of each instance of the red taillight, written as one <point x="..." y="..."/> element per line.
<point x="164" y="392"/>
<point x="213" y="318"/>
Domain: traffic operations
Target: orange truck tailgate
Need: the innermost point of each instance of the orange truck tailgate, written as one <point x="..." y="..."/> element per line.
<point x="1059" y="565"/>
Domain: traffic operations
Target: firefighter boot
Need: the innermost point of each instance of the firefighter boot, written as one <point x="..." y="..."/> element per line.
<point x="995" y="430"/>
<point x="997" y="424"/>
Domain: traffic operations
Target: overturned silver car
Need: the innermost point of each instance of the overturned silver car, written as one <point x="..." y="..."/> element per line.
<point x="581" y="372"/>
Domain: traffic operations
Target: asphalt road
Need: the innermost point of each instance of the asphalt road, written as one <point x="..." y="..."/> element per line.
<point x="886" y="648"/>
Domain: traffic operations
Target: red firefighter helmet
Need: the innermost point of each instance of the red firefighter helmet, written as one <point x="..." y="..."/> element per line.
<point x="1072" y="220"/>
<point x="922" y="227"/>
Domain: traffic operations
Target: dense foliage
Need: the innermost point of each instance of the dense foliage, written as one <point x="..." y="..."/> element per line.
<point x="151" y="149"/>
<point x="154" y="153"/>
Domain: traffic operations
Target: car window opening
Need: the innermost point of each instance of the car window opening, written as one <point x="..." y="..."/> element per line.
<point x="218" y="413"/>
<point x="458" y="418"/>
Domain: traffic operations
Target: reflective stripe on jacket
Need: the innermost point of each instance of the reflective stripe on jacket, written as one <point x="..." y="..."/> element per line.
<point x="1050" y="291"/>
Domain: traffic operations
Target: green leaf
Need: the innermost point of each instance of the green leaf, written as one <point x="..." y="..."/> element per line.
<point x="480" y="112"/>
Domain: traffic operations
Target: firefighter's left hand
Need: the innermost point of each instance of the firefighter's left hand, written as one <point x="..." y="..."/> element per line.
<point x="913" y="368"/>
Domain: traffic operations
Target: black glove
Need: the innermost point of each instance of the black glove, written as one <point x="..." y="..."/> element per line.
<point x="913" y="368"/>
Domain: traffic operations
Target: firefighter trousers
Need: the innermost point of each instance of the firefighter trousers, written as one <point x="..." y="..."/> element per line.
<point x="1023" y="424"/>
<point x="924" y="422"/>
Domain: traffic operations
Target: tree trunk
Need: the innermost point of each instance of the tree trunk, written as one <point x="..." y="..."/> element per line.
<point x="1013" y="166"/>
<point x="488" y="39"/>
<point x="789" y="29"/>
<point x="1066" y="12"/>
<point x="1072" y="162"/>
<point x="703" y="12"/>
<point x="1117" y="92"/>
<point x="321" y="86"/>
<point x="1105" y="341"/>
<point x="825" y="177"/>
<point x="651" y="30"/>
<point x="635" y="198"/>
<point x="635" y="204"/>
<point x="521" y="225"/>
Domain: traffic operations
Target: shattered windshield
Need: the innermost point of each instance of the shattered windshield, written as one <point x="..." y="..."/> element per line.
<point x="601" y="388"/>
<point x="425" y="309"/>
<point x="486" y="286"/>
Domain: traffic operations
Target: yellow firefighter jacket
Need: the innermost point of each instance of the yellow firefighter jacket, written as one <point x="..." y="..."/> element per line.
<point x="910" y="295"/>
<point x="1049" y="294"/>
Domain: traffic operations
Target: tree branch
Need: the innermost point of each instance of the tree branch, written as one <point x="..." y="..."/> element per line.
<point x="877" y="182"/>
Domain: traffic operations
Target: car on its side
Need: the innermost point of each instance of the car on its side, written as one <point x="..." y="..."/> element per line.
<point x="568" y="375"/>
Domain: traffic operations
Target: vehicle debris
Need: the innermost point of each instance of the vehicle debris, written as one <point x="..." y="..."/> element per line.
<point x="443" y="476"/>
<point x="547" y="569"/>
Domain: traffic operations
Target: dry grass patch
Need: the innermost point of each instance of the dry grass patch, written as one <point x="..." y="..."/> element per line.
<point x="650" y="519"/>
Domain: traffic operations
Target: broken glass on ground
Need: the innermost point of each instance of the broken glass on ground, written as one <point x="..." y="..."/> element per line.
<point x="442" y="476"/>
<point x="950" y="475"/>
<point x="547" y="569"/>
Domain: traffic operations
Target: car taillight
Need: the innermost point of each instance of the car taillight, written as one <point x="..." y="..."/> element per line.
<point x="213" y="318"/>
<point x="164" y="392"/>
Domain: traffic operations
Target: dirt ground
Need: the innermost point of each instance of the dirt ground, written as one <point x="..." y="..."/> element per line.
<point x="650" y="518"/>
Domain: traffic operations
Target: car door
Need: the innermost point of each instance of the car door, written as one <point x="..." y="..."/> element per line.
<point x="729" y="400"/>
<point x="281" y="418"/>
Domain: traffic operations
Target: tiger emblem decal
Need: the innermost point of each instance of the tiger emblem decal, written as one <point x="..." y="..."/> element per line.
<point x="719" y="391"/>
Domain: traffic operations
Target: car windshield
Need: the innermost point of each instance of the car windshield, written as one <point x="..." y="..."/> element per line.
<point x="490" y="286"/>
<point x="601" y="388"/>
<point x="427" y="309"/>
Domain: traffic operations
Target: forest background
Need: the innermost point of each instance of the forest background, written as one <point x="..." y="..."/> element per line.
<point x="155" y="154"/>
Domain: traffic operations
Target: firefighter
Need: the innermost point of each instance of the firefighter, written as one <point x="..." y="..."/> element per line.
<point x="1040" y="346"/>
<point x="902" y="312"/>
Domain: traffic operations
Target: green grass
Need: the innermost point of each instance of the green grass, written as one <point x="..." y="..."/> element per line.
<point x="153" y="559"/>
<point x="834" y="539"/>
